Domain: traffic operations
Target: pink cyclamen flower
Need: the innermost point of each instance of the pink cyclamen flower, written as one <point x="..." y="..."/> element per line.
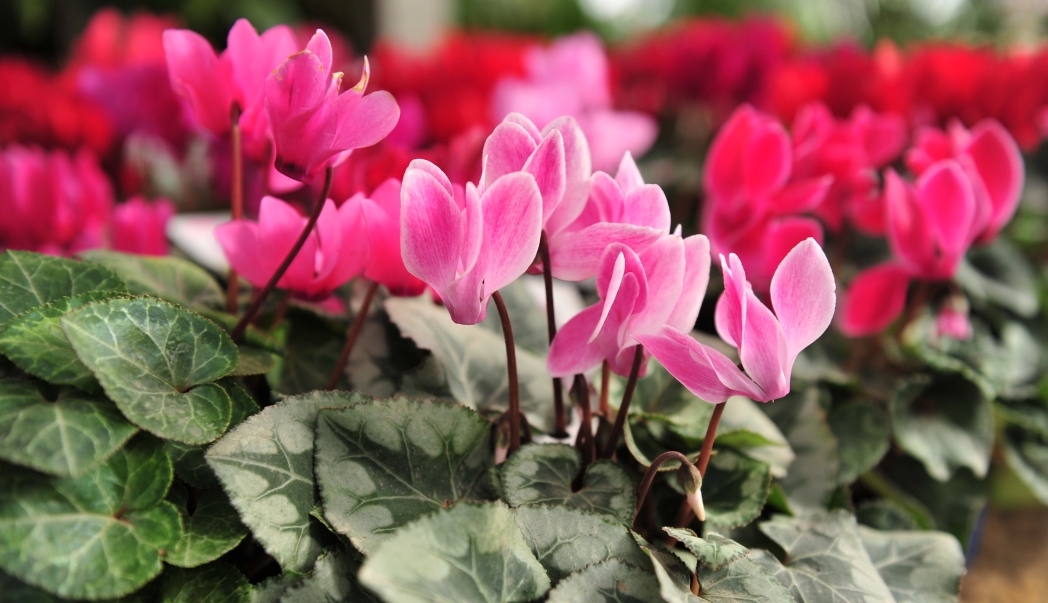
<point x="139" y="226"/>
<point x="622" y="209"/>
<point x="335" y="252"/>
<point x="382" y="219"/>
<point x="211" y="84"/>
<point x="952" y="320"/>
<point x="467" y="244"/>
<point x="991" y="159"/>
<point x="803" y="299"/>
<point x="640" y="294"/>
<point x="313" y="125"/>
<point x="752" y="201"/>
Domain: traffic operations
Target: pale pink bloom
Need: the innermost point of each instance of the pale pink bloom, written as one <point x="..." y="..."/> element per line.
<point x="991" y="159"/>
<point x="695" y="502"/>
<point x="139" y="226"/>
<point x="640" y="293"/>
<point x="313" y="125"/>
<point x="211" y="84"/>
<point x="335" y="252"/>
<point x="803" y="298"/>
<point x="570" y="77"/>
<point x="468" y="243"/>
<point x="382" y="219"/>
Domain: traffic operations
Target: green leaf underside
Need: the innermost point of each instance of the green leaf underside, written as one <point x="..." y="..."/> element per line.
<point x="35" y="342"/>
<point x="210" y="532"/>
<point x="714" y="551"/>
<point x="384" y="463"/>
<point x="863" y="435"/>
<point x="265" y="465"/>
<point x="66" y="438"/>
<point x="333" y="581"/>
<point x="543" y="473"/>
<point x="827" y="560"/>
<point x="918" y="567"/>
<point x="474" y="360"/>
<point x="470" y="552"/>
<point x="945" y="423"/>
<point x="95" y="537"/>
<point x="612" y="581"/>
<point x="566" y="540"/>
<point x="157" y="361"/>
<point x="169" y="278"/>
<point x="29" y="280"/>
<point x="214" y="583"/>
<point x="734" y="489"/>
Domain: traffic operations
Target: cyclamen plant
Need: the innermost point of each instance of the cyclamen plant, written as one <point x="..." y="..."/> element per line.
<point x="377" y="432"/>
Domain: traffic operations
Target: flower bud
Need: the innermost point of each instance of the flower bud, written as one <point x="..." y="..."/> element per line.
<point x="691" y="480"/>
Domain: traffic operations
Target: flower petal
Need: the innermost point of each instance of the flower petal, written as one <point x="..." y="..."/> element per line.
<point x="704" y="371"/>
<point x="628" y="177"/>
<point x="875" y="299"/>
<point x="512" y="210"/>
<point x="947" y="197"/>
<point x="803" y="296"/>
<point x="646" y="205"/>
<point x="572" y="352"/>
<point x="431" y="228"/>
<point x="1000" y="166"/>
<point x="696" y="278"/>
<point x="546" y="164"/>
<point x="575" y="256"/>
<point x="506" y="150"/>
<point x="199" y="77"/>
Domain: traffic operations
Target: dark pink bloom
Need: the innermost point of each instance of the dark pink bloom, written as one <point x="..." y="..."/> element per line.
<point x="803" y="299"/>
<point x="139" y="226"/>
<point x="335" y="252"/>
<point x="382" y="221"/>
<point x="662" y="286"/>
<point x="875" y="298"/>
<point x="952" y="320"/>
<point x="467" y="244"/>
<point x="313" y="125"/>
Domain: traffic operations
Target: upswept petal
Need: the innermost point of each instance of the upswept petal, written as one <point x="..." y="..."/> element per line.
<point x="611" y="290"/>
<point x="646" y="205"/>
<point x="506" y="150"/>
<point x="572" y="351"/>
<point x="781" y="237"/>
<point x="382" y="220"/>
<point x="702" y="370"/>
<point x="763" y="350"/>
<point x="767" y="160"/>
<point x="320" y="46"/>
<point x="803" y="296"/>
<point x="546" y="164"/>
<point x="606" y="202"/>
<point x="609" y="259"/>
<point x="723" y="173"/>
<point x="730" y="313"/>
<point x="575" y="256"/>
<point x="198" y="76"/>
<point x="431" y="232"/>
<point x="279" y="226"/>
<point x="328" y="235"/>
<point x="948" y="200"/>
<point x="239" y="240"/>
<point x="999" y="164"/>
<point x="875" y="299"/>
<point x="628" y="176"/>
<point x="578" y="167"/>
<point x="664" y="266"/>
<point x="364" y="120"/>
<point x="512" y="210"/>
<point x="355" y="253"/>
<point x="908" y="229"/>
<point x="801" y="196"/>
<point x="696" y="278"/>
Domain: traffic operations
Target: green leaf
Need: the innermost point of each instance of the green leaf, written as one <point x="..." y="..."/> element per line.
<point x="946" y="423"/>
<point x="1000" y="274"/>
<point x="254" y="361"/>
<point x="273" y="588"/>
<point x="566" y="540"/>
<point x="469" y="552"/>
<point x="827" y="560"/>
<point x="918" y="567"/>
<point x="169" y="278"/>
<point x="333" y="580"/>
<point x="812" y="477"/>
<point x="29" y="280"/>
<point x="955" y="505"/>
<point x="311" y="351"/>
<point x="530" y="329"/>
<point x="862" y="432"/>
<point x="885" y="515"/>
<point x="67" y="438"/>
<point x="35" y="342"/>
<point x="385" y="463"/>
<point x="212" y="530"/>
<point x="714" y="551"/>
<point x="95" y="537"/>
<point x="265" y="465"/>
<point x="543" y="473"/>
<point x="1026" y="452"/>
<point x="612" y="581"/>
<point x="157" y="361"/>
<point x="734" y="489"/>
<point x="474" y="360"/>
<point x="214" y="583"/>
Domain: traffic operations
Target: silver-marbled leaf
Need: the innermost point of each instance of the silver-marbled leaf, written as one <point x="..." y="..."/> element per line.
<point x="917" y="566"/>
<point x="333" y="580"/>
<point x="612" y="581"/>
<point x="714" y="551"/>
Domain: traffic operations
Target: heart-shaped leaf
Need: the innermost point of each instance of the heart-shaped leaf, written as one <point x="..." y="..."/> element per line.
<point x="95" y="537"/>
<point x="826" y="560"/>
<point x="714" y="551"/>
<point x="68" y="437"/>
<point x="29" y="280"/>
<point x="265" y="465"/>
<point x="566" y="540"/>
<point x="1000" y="274"/>
<point x="157" y="361"/>
<point x="612" y="581"/>
<point x="35" y="342"/>
<point x="210" y="531"/>
<point x="385" y="463"/>
<point x="812" y="477"/>
<point x="918" y="567"/>
<point x="863" y="433"/>
<point x="215" y="583"/>
<point x="333" y="581"/>
<point x="543" y="473"/>
<point x="169" y="278"/>
<point x="734" y="489"/>
<point x="470" y="552"/>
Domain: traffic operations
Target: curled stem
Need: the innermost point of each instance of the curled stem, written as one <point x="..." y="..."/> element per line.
<point x="560" y="423"/>
<point x="624" y="407"/>
<point x="684" y="514"/>
<point x="263" y="293"/>
<point x="511" y="372"/>
<point x="236" y="204"/>
<point x="351" y="337"/>
<point x="649" y="477"/>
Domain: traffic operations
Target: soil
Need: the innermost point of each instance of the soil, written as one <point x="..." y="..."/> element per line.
<point x="1012" y="565"/>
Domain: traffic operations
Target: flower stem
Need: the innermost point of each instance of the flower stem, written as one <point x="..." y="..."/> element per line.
<point x="624" y="407"/>
<point x="685" y="513"/>
<point x="589" y="439"/>
<point x="263" y="293"/>
<point x="511" y="372"/>
<point x="605" y="376"/>
<point x="649" y="477"/>
<point x="351" y="337"/>
<point x="236" y="204"/>
<point x="559" y="425"/>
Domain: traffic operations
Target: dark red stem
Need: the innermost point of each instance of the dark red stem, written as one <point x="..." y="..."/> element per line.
<point x="511" y="372"/>
<point x="589" y="440"/>
<point x="236" y="205"/>
<point x="624" y="408"/>
<point x="560" y="423"/>
<point x="649" y="477"/>
<point x="605" y="377"/>
<point x="684" y="514"/>
<point x="351" y="337"/>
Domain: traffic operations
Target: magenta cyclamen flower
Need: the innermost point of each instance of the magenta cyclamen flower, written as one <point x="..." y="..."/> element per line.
<point x="139" y="226"/>
<point x="803" y="299"/>
<point x="335" y="252"/>
<point x="386" y="263"/>
<point x="467" y="244"/>
<point x="640" y="293"/>
<point x="313" y="125"/>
